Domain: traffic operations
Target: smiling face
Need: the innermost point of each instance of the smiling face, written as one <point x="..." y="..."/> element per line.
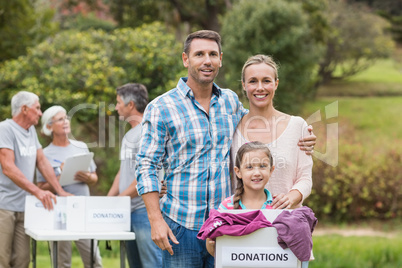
<point x="203" y="62"/>
<point x="60" y="124"/>
<point x="260" y="84"/>
<point x="255" y="170"/>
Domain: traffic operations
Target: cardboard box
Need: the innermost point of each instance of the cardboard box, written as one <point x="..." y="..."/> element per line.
<point x="98" y="213"/>
<point x="80" y="214"/>
<point x="38" y="218"/>
<point x="258" y="249"/>
<point x="76" y="213"/>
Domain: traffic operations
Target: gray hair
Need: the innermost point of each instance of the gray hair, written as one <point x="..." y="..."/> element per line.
<point x="135" y="92"/>
<point x="20" y="99"/>
<point x="47" y="118"/>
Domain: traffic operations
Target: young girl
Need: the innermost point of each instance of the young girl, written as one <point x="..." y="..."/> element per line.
<point x="253" y="167"/>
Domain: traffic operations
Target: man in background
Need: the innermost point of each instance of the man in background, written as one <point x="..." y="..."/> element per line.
<point x="131" y="102"/>
<point x="20" y="154"/>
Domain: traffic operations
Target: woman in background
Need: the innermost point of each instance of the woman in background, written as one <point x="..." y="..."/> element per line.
<point x="56" y="124"/>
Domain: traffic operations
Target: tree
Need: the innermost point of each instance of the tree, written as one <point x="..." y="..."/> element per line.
<point x="80" y="71"/>
<point x="85" y="67"/>
<point x="23" y="23"/>
<point x="278" y="28"/>
<point x="203" y="14"/>
<point x="133" y="13"/>
<point x="390" y="10"/>
<point x="183" y="15"/>
<point x="357" y="38"/>
<point x="393" y="7"/>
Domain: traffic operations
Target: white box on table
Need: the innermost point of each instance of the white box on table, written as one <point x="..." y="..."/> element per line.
<point x="80" y="214"/>
<point x="76" y="213"/>
<point x="38" y="218"/>
<point x="98" y="213"/>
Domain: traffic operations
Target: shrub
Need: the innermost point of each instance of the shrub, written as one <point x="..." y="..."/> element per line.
<point x="362" y="186"/>
<point x="80" y="70"/>
<point x="85" y="67"/>
<point x="278" y="28"/>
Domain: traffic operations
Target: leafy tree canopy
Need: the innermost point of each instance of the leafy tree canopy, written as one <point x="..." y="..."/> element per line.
<point x="85" y="67"/>
<point x="356" y="39"/>
<point x="23" y="23"/>
<point x="278" y="28"/>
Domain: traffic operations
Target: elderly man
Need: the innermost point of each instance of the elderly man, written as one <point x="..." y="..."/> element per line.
<point x="20" y="153"/>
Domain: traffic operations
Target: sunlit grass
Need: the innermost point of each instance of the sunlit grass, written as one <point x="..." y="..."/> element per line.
<point x="384" y="78"/>
<point x="335" y="251"/>
<point x="372" y="121"/>
<point x="110" y="258"/>
<point x="383" y="71"/>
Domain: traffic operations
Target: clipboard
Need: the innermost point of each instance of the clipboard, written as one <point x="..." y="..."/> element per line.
<point x="72" y="165"/>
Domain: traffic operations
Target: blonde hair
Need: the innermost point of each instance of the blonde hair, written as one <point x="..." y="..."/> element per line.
<point x="257" y="59"/>
<point x="246" y="148"/>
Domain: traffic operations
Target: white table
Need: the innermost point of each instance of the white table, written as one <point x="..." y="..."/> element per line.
<point x="62" y="235"/>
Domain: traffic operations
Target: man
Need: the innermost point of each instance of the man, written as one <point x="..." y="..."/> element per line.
<point x="20" y="153"/>
<point x="131" y="102"/>
<point x="189" y="131"/>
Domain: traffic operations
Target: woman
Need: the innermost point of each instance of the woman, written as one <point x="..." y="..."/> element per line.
<point x="56" y="124"/>
<point x="291" y="180"/>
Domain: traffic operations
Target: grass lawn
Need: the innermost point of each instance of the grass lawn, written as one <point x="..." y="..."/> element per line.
<point x="371" y="121"/>
<point x="383" y="71"/>
<point x="110" y="258"/>
<point x="335" y="251"/>
<point x="384" y="78"/>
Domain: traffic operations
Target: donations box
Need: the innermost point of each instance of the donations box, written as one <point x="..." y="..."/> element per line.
<point x="36" y="217"/>
<point x="98" y="213"/>
<point x="258" y="249"/>
<point x="80" y="214"/>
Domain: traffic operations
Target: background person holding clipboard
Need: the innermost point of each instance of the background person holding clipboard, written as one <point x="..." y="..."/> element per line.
<point x="56" y="124"/>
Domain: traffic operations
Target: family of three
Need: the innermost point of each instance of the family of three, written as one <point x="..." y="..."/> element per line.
<point x="192" y="130"/>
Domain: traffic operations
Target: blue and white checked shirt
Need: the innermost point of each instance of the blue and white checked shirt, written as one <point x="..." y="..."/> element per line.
<point x="193" y="148"/>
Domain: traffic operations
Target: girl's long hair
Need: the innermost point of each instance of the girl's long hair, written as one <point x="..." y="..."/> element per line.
<point x="246" y="148"/>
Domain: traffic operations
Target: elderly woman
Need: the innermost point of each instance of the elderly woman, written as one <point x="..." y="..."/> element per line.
<point x="55" y="123"/>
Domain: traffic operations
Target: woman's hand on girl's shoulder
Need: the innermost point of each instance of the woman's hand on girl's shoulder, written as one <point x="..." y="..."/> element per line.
<point x="280" y="201"/>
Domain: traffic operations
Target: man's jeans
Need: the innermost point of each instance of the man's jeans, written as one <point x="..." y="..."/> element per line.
<point x="142" y="252"/>
<point x="190" y="252"/>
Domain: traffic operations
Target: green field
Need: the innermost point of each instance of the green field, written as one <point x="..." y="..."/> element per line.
<point x="384" y="78"/>
<point x="110" y="258"/>
<point x="371" y="121"/>
<point x="335" y="251"/>
<point x="383" y="71"/>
